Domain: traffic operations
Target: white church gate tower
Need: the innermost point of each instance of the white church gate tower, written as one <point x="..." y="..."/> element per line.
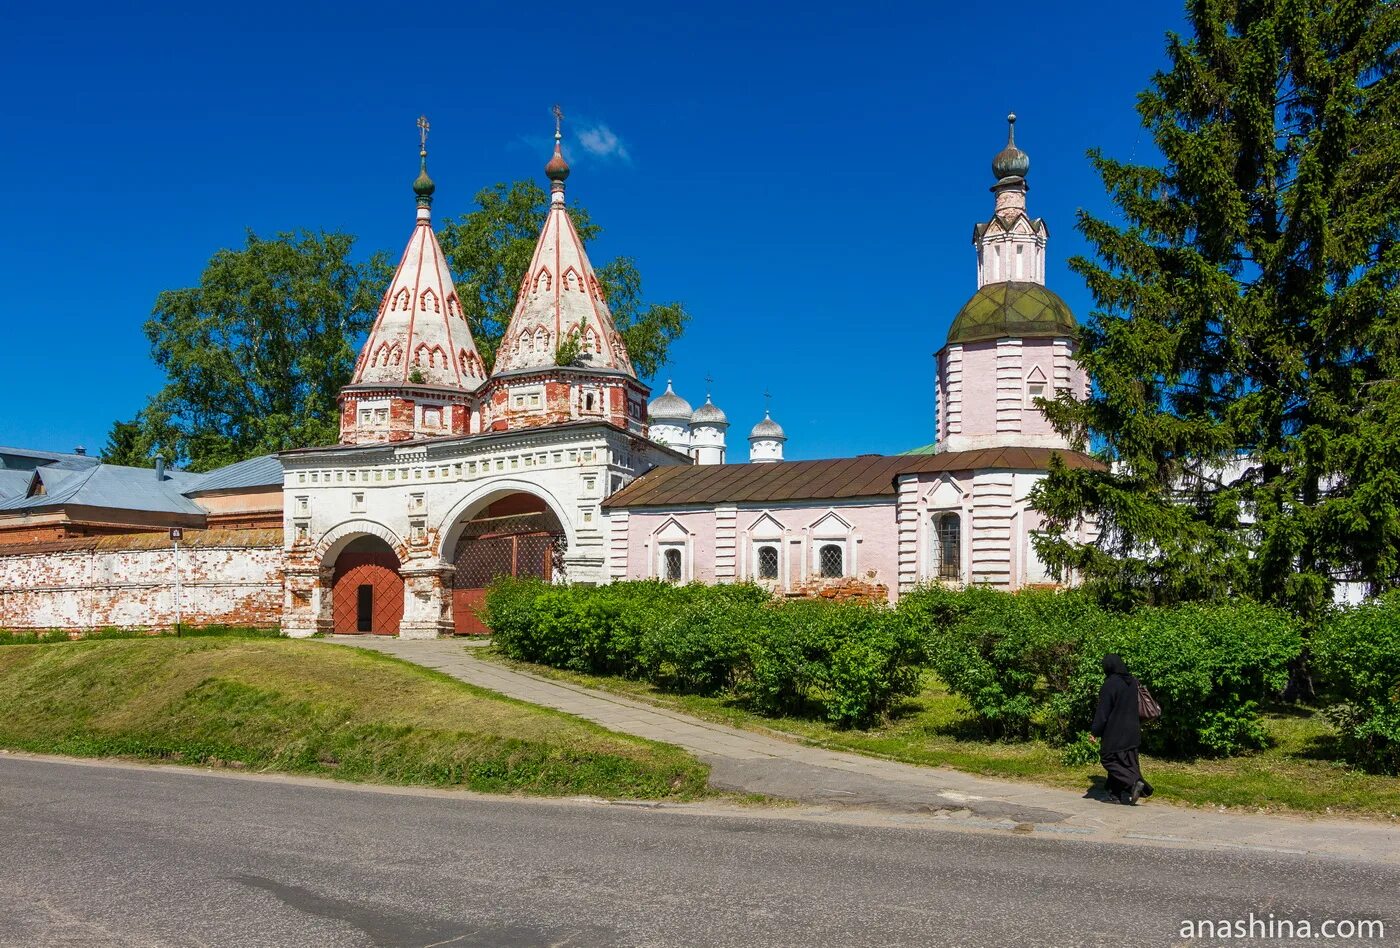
<point x="446" y="478"/>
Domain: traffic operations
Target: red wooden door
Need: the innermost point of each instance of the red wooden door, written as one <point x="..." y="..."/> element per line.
<point x="367" y="595"/>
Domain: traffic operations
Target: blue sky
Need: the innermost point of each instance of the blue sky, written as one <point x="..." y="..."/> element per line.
<point x="804" y="179"/>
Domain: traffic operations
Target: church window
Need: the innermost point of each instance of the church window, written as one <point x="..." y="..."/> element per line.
<point x="432" y="417"/>
<point x="948" y="547"/>
<point x="303" y="506"/>
<point x="1019" y="268"/>
<point x="381" y="415"/>
<point x="768" y="562"/>
<point x="671" y="559"/>
<point x="364" y="416"/>
<point x="831" y="561"/>
<point x="357" y="502"/>
<point x="416" y="503"/>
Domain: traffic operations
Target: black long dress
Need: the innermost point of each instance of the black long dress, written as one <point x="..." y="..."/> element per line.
<point x="1118" y="729"/>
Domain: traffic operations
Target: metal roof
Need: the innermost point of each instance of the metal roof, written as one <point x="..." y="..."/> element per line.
<point x="26" y="459"/>
<point x="14" y="483"/>
<point x="114" y="487"/>
<point x="264" y="471"/>
<point x="870" y="475"/>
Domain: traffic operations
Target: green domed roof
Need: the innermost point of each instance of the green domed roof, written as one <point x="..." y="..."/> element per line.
<point x="1027" y="310"/>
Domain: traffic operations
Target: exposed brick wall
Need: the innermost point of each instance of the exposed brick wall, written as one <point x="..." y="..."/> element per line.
<point x="226" y="577"/>
<point x="842" y="590"/>
<point x="31" y="534"/>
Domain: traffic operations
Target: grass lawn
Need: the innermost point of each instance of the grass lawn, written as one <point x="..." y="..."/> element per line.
<point x="309" y="708"/>
<point x="1293" y="774"/>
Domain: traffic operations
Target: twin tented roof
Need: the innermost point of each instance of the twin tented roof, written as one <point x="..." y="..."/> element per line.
<point x="870" y="475"/>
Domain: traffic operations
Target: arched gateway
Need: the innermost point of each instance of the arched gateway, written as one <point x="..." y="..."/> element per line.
<point x="516" y="535"/>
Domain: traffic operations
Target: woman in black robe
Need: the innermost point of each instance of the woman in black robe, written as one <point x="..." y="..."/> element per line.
<point x="1119" y="733"/>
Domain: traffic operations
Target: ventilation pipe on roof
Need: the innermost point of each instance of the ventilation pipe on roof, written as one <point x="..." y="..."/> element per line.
<point x="80" y="451"/>
<point x="160" y="469"/>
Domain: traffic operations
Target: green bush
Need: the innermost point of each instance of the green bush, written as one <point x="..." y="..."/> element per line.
<point x="1016" y="658"/>
<point x="1356" y="652"/>
<point x="845" y="662"/>
<point x="1209" y="666"/>
<point x="1029" y="663"/>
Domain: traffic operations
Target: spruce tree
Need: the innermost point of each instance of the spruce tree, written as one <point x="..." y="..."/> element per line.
<point x="1245" y="348"/>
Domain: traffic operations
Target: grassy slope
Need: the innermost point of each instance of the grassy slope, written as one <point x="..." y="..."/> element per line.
<point x="310" y="708"/>
<point x="933" y="728"/>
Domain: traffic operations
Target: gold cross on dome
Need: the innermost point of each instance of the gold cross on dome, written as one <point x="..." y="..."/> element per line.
<point x="558" y="117"/>
<point x="423" y="127"/>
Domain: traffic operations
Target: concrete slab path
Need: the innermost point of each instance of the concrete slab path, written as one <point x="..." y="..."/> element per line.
<point x="750" y="762"/>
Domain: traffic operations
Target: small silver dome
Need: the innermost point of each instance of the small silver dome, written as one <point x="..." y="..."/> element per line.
<point x="709" y="413"/>
<point x="668" y="406"/>
<point x="767" y="429"/>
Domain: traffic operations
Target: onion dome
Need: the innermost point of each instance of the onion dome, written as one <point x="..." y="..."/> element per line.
<point x="1011" y="162"/>
<point x="1018" y="310"/>
<point x="557" y="169"/>
<point x="709" y="414"/>
<point x="423" y="185"/>
<point x="767" y="429"/>
<point x="668" y="406"/>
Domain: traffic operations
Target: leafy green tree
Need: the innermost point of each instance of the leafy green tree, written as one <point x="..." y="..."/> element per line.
<point x="255" y="355"/>
<point x="490" y="248"/>
<point x="1245" y="349"/>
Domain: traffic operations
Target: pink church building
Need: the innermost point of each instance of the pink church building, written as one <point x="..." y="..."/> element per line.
<point x="955" y="512"/>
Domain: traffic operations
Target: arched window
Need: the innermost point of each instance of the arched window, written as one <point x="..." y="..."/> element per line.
<point x="672" y="558"/>
<point x="768" y="562"/>
<point x="831" y="561"/>
<point x="949" y="565"/>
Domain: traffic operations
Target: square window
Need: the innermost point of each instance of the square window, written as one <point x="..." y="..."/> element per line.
<point x="357" y="502"/>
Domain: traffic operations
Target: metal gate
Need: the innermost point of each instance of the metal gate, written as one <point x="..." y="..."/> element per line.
<point x="524" y="545"/>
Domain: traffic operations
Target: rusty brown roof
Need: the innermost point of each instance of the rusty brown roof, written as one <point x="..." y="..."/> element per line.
<point x="202" y="539"/>
<point x="870" y="475"/>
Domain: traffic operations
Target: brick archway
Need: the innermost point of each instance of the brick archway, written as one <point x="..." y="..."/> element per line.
<point x="367" y="592"/>
<point x="516" y="535"/>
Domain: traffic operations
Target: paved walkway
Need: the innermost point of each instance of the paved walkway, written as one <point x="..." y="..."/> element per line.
<point x="746" y="761"/>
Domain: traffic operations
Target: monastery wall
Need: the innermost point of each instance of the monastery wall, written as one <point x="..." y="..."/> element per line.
<point x="226" y="578"/>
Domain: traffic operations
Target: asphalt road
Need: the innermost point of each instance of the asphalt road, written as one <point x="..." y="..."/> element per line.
<point x="134" y="856"/>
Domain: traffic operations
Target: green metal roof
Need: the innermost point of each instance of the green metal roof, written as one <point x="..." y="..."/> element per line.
<point x="1027" y="310"/>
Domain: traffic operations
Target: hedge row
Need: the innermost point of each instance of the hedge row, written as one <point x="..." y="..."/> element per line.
<point x="846" y="662"/>
<point x="1028" y="664"/>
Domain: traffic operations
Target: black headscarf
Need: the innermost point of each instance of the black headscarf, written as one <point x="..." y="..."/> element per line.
<point x="1113" y="665"/>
